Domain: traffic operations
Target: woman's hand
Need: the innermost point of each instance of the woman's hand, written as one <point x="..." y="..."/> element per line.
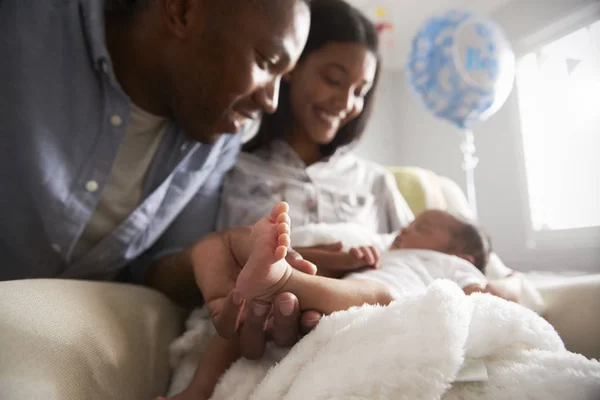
<point x="332" y="262"/>
<point x="368" y="256"/>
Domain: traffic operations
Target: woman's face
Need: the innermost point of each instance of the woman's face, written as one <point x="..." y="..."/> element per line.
<point x="328" y="87"/>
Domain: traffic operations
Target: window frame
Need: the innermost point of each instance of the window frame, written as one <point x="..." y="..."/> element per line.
<point x="588" y="237"/>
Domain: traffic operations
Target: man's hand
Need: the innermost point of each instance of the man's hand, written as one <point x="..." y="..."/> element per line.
<point x="232" y="314"/>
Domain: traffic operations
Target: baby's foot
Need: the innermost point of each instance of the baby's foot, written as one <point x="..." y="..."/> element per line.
<point x="266" y="270"/>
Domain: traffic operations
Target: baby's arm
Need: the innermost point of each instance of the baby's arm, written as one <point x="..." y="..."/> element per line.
<point x="491" y="289"/>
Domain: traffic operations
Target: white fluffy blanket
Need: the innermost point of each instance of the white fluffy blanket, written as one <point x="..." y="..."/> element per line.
<point x="411" y="349"/>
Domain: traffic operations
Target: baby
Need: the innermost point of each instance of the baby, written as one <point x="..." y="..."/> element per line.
<point x="265" y="273"/>
<point x="436" y="245"/>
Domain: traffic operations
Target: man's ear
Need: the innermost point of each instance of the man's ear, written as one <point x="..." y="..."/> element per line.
<point x="466" y="257"/>
<point x="179" y="15"/>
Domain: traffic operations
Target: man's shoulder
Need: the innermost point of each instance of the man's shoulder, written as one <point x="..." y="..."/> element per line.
<point x="21" y="10"/>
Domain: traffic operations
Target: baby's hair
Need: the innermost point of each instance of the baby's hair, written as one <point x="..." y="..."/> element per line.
<point x="473" y="241"/>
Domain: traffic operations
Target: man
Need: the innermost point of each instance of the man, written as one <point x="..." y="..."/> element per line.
<point x="112" y="155"/>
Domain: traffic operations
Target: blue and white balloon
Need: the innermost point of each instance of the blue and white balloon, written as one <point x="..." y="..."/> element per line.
<point x="462" y="67"/>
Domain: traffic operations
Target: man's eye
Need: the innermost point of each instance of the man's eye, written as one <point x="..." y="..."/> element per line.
<point x="267" y="64"/>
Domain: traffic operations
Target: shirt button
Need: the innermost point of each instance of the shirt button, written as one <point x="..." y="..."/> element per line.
<point x="105" y="67"/>
<point x="91" y="186"/>
<point x="184" y="147"/>
<point x="115" y="120"/>
<point x="56" y="247"/>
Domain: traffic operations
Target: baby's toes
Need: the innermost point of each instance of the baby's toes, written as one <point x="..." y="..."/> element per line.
<point x="280" y="252"/>
<point x="283" y="217"/>
<point x="284" y="240"/>
<point x="282" y="228"/>
<point x="279" y="209"/>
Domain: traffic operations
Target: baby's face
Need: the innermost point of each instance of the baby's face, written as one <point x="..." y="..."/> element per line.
<point x="431" y="230"/>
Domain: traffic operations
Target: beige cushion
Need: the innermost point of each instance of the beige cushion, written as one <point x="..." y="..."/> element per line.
<point x="572" y="308"/>
<point x="75" y="340"/>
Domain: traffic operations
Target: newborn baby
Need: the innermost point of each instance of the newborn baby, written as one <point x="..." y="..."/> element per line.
<point x="455" y="250"/>
<point x="436" y="245"/>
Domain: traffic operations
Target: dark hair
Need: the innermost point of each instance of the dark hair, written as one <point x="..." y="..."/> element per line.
<point x="472" y="240"/>
<point x="125" y="8"/>
<point x="331" y="21"/>
<point x="128" y="8"/>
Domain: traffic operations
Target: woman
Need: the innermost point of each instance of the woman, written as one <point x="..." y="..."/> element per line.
<point x="301" y="153"/>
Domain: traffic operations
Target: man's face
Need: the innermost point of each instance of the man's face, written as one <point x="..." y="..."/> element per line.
<point x="224" y="66"/>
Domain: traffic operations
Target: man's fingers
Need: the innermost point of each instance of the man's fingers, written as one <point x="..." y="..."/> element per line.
<point x="309" y="321"/>
<point x="286" y="313"/>
<point x="252" y="335"/>
<point x="226" y="314"/>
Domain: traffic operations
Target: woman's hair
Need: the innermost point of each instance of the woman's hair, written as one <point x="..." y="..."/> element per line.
<point x="331" y="21"/>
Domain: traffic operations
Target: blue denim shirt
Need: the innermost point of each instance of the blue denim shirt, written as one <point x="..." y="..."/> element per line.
<point x="62" y="118"/>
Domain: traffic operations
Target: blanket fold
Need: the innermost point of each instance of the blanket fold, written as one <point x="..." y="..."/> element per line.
<point x="411" y="349"/>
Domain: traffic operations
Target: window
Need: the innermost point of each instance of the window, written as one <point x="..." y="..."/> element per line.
<point x="558" y="86"/>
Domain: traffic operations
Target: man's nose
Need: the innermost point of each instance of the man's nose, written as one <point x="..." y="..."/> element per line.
<point x="268" y="96"/>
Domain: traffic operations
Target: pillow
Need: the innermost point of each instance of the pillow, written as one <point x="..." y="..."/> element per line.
<point x="75" y="340"/>
<point x="420" y="188"/>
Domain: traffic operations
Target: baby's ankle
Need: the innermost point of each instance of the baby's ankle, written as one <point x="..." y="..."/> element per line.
<point x="282" y="286"/>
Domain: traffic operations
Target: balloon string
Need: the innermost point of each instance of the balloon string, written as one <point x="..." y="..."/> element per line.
<point x="470" y="161"/>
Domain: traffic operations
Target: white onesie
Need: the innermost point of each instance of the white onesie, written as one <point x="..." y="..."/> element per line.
<point x="413" y="270"/>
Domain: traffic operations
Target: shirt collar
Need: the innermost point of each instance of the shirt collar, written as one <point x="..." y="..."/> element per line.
<point x="92" y="18"/>
<point x="281" y="152"/>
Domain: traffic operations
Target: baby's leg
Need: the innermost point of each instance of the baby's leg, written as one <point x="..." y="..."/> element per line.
<point x="218" y="357"/>
<point x="266" y="273"/>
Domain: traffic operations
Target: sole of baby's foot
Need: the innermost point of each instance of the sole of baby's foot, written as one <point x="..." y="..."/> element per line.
<point x="266" y="270"/>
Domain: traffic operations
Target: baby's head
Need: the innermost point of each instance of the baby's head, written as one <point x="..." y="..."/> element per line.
<point x="440" y="231"/>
